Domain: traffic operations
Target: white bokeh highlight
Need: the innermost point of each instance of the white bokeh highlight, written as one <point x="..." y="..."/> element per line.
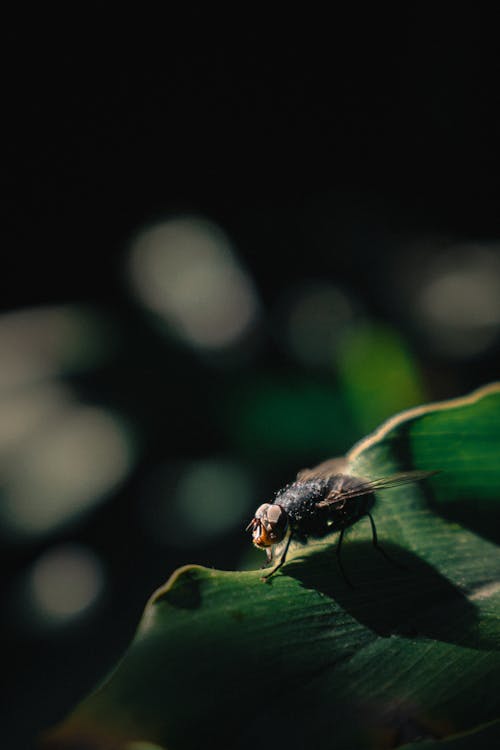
<point x="63" y="469"/>
<point x="186" y="271"/>
<point x="64" y="583"/>
<point x="44" y="342"/>
<point x="457" y="300"/>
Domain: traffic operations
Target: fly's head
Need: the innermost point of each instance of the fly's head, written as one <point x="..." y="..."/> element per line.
<point x="268" y="526"/>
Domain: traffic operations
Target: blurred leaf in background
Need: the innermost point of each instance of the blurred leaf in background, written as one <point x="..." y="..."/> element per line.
<point x="378" y="374"/>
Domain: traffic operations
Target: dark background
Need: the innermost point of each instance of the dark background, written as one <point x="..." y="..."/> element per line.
<point x="357" y="154"/>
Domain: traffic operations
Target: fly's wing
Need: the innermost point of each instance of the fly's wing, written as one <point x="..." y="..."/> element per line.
<point x="366" y="487"/>
<point x="324" y="470"/>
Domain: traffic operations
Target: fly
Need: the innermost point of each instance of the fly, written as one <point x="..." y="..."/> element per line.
<point x="320" y="501"/>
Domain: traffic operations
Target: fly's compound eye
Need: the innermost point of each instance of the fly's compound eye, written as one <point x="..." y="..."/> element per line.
<point x="268" y="525"/>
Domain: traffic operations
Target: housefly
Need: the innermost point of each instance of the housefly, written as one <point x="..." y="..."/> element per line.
<point x="320" y="501"/>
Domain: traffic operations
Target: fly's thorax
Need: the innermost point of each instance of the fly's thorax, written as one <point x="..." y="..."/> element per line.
<point x="300" y="498"/>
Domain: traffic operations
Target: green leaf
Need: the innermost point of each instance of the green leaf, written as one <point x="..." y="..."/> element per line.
<point x="410" y="653"/>
<point x="483" y="738"/>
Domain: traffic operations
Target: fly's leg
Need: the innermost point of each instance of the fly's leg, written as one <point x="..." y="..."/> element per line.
<point x="379" y="548"/>
<point x="269" y="557"/>
<point x="282" y="558"/>
<point x="339" y="560"/>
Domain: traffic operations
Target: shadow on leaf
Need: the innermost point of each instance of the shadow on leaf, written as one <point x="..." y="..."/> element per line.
<point x="481" y="516"/>
<point x="411" y="599"/>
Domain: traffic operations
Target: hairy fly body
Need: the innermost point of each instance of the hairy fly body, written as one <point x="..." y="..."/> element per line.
<point x="321" y="500"/>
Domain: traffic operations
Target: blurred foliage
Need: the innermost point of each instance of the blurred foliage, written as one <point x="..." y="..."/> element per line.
<point x="410" y="653"/>
<point x="292" y="419"/>
<point x="378" y="374"/>
<point x="372" y="375"/>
